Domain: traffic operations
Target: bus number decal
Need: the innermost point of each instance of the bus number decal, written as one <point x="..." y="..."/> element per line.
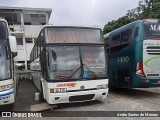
<point x="124" y="59"/>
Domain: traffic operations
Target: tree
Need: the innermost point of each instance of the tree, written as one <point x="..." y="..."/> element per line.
<point x="154" y="9"/>
<point x="146" y="9"/>
<point x="114" y="24"/>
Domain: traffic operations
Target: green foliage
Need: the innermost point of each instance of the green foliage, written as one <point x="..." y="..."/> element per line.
<point x="116" y="24"/>
<point x="146" y="9"/>
<point x="154" y="11"/>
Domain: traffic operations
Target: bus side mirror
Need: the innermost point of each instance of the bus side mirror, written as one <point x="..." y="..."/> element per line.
<point x="13" y="45"/>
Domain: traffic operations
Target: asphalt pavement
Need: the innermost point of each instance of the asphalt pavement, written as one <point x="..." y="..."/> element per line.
<point x="117" y="100"/>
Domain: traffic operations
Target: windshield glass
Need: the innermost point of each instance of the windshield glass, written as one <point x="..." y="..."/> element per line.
<point x="151" y="30"/>
<point x="4" y="56"/>
<point x="3" y="30"/>
<point x="4" y="61"/>
<point x="73" y="62"/>
<point x="63" y="61"/>
<point x="73" y="35"/>
<point x="93" y="62"/>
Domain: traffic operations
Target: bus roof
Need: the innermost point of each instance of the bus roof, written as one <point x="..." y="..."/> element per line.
<point x="84" y="36"/>
<point x="130" y="25"/>
<point x="87" y="27"/>
<point x="122" y="28"/>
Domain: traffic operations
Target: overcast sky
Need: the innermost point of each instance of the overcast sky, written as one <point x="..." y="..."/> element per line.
<point x="79" y="12"/>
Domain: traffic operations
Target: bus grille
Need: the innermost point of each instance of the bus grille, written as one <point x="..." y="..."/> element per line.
<point x="153" y="50"/>
<point x="81" y="98"/>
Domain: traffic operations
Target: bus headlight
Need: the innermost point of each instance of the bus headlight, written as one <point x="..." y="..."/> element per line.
<point x="59" y="90"/>
<point x="6" y="87"/>
<point x="63" y="90"/>
<point x="104" y="86"/>
<point x="1" y="88"/>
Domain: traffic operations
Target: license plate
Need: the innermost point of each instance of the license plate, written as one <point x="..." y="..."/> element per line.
<point x="4" y="97"/>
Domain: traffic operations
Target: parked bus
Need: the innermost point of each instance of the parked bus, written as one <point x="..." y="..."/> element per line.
<point x="69" y="64"/>
<point x="134" y="55"/>
<point x="8" y="73"/>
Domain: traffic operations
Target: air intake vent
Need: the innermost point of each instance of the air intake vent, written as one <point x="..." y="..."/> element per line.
<point x="81" y="98"/>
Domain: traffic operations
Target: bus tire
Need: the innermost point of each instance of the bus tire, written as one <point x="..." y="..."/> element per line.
<point x="41" y="97"/>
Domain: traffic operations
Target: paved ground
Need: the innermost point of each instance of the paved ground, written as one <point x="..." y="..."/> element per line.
<point x="25" y="97"/>
<point x="117" y="100"/>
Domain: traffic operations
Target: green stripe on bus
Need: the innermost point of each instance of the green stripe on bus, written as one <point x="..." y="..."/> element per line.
<point x="146" y="62"/>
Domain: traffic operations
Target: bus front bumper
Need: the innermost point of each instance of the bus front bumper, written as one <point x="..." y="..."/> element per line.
<point x="142" y="82"/>
<point x="80" y="96"/>
<point x="7" y="97"/>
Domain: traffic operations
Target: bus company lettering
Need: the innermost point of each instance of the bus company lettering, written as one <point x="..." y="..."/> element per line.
<point x="153" y="44"/>
<point x="155" y="27"/>
<point x="66" y="85"/>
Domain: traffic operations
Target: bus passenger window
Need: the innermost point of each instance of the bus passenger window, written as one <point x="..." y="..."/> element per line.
<point x="126" y="36"/>
<point x="115" y="40"/>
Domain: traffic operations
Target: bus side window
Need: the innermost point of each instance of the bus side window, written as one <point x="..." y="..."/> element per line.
<point x="107" y="50"/>
<point x="115" y="43"/>
<point x="126" y="36"/>
<point x="107" y="44"/>
<point x="107" y="40"/>
<point x="115" y="40"/>
<point x="136" y="32"/>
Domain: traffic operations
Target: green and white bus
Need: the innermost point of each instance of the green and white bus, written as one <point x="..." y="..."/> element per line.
<point x="134" y="55"/>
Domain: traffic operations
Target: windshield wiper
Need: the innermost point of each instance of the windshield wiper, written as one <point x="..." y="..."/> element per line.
<point x="82" y="74"/>
<point x="80" y="67"/>
<point x="75" y="72"/>
<point x="81" y="62"/>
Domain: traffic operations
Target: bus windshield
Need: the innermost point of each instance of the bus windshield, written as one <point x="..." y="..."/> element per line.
<point x="4" y="55"/>
<point x="4" y="61"/>
<point x="75" y="62"/>
<point x="3" y="31"/>
<point x="93" y="59"/>
<point x="151" y="31"/>
<point x="73" y="35"/>
<point x="63" y="61"/>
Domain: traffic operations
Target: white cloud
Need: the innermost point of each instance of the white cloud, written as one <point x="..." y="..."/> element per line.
<point x="79" y="12"/>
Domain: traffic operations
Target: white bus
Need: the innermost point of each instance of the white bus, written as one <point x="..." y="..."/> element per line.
<point x="69" y="64"/>
<point x="8" y="73"/>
